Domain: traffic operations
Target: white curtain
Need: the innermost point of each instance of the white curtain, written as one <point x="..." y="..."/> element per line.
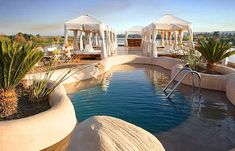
<point x="163" y="36"/>
<point x="154" y="49"/>
<point x="126" y="41"/>
<point x="191" y="38"/>
<point x="96" y="39"/>
<point x="81" y="41"/>
<point x="90" y="38"/>
<point x="103" y="50"/>
<point x="65" y="35"/>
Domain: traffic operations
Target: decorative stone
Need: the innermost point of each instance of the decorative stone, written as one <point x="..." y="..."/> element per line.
<point x="104" y="133"/>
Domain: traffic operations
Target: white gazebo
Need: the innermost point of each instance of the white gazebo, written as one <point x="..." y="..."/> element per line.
<point x="133" y="30"/>
<point x="166" y="26"/>
<point x="98" y="34"/>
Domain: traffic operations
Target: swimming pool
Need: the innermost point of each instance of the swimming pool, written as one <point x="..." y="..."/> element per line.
<point x="135" y="96"/>
<point x="134" y="93"/>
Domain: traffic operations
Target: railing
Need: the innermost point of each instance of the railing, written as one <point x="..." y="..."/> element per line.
<point x="190" y="71"/>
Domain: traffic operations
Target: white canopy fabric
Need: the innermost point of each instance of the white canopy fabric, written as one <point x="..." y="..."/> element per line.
<point x="92" y="27"/>
<point x="85" y="22"/>
<point x="171" y="22"/>
<point x="133" y="30"/>
<point x="168" y="26"/>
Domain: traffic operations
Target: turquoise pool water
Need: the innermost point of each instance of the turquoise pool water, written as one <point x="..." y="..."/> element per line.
<point x="135" y="96"/>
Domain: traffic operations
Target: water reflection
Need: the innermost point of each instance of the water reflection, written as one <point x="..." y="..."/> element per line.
<point x="210" y="105"/>
<point x="106" y="82"/>
<point x="158" y="78"/>
<point x="102" y="80"/>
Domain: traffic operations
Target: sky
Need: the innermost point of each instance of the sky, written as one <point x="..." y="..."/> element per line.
<point x="47" y="17"/>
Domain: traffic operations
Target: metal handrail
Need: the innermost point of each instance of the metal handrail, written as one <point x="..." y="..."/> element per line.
<point x="185" y="68"/>
<point x="190" y="71"/>
<point x="185" y="75"/>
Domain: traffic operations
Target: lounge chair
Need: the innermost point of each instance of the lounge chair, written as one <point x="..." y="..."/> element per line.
<point x="87" y="53"/>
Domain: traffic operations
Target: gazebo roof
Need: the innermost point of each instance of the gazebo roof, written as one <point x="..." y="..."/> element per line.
<point x="171" y="22"/>
<point x="84" y="19"/>
<point x="85" y="22"/>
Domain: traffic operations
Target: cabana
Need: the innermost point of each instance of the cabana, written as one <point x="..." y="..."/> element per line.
<point x="166" y="26"/>
<point x="98" y="34"/>
<point x="133" y="30"/>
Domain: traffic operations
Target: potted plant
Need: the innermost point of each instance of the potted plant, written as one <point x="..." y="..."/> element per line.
<point x="43" y="128"/>
<point x="15" y="61"/>
<point x="213" y="51"/>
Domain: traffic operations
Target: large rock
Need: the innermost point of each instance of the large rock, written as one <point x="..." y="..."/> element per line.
<point x="104" y="133"/>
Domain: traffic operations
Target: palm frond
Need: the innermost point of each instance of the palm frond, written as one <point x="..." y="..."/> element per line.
<point x="213" y="50"/>
<point x="15" y="61"/>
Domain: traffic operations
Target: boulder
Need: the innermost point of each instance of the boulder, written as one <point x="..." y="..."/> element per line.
<point x="104" y="133"/>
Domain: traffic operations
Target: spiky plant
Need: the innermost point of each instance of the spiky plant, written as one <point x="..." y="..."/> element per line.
<point x="41" y="85"/>
<point x="213" y="51"/>
<point x="15" y="61"/>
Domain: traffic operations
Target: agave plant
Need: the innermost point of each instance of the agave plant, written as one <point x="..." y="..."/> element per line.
<point x="15" y="61"/>
<point x="213" y="51"/>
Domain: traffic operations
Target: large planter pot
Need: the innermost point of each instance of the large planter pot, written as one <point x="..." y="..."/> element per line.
<point x="41" y="130"/>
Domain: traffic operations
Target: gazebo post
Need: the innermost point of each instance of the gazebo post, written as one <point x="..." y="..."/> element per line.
<point x="166" y="38"/>
<point x="126" y="37"/>
<point x="114" y="44"/>
<point x="176" y="39"/>
<point x="181" y="34"/>
<point x="149" y="43"/>
<point x="191" y="38"/>
<point x="108" y="43"/>
<point x="145" y="43"/>
<point x="90" y="38"/>
<point x="115" y="37"/>
<point x="163" y="36"/>
<point x="81" y="40"/>
<point x="96" y="39"/>
<point x="170" y="37"/>
<point x="154" y="43"/>
<point x="103" y="50"/>
<point x="65" y="36"/>
<point x="99" y="43"/>
<point x="75" y="39"/>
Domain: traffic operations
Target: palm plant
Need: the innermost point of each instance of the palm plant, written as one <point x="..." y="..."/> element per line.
<point x="15" y="61"/>
<point x="213" y="51"/>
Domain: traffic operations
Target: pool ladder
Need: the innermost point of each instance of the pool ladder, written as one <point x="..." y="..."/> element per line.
<point x="189" y="71"/>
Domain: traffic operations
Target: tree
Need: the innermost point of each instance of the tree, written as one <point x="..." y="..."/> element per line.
<point x="19" y="37"/>
<point x="216" y="34"/>
<point x="57" y="39"/>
